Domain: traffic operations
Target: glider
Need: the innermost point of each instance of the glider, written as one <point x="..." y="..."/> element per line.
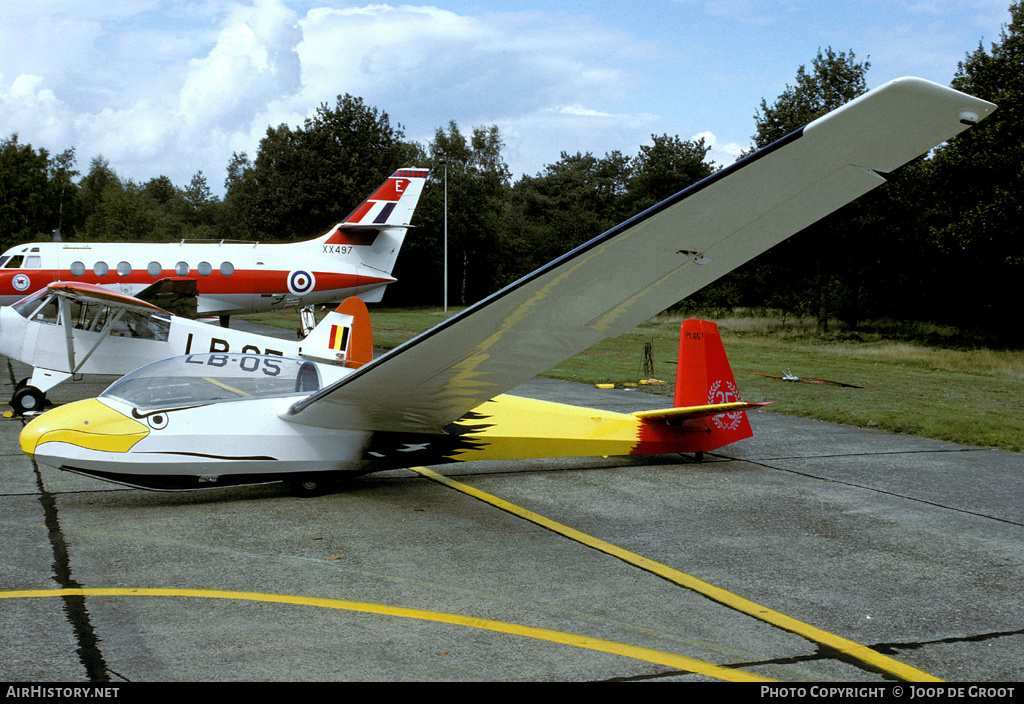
<point x="158" y="419"/>
<point x="71" y="329"/>
<point x="217" y="420"/>
<point x="225" y="277"/>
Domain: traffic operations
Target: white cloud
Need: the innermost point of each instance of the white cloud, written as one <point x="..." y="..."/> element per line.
<point x="170" y="89"/>
<point x="253" y="64"/>
<point x="143" y="97"/>
<point x="536" y="139"/>
<point x="174" y="86"/>
<point x="433" y="62"/>
<point x="426" y="66"/>
<point x="721" y="153"/>
<point x="25" y="102"/>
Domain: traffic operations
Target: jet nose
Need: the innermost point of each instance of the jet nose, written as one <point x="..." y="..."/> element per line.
<point x="89" y="424"/>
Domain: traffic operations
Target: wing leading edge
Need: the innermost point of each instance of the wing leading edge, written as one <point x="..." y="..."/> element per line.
<point x="78" y="292"/>
<point x="644" y="265"/>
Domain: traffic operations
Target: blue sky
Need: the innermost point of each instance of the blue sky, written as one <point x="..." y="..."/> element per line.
<point x="173" y="87"/>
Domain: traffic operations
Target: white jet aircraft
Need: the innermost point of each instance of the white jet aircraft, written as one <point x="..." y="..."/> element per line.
<point x="224" y="278"/>
<point x="225" y="419"/>
<point x="72" y="329"/>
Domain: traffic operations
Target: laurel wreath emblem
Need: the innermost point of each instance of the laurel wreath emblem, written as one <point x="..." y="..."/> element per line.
<point x="730" y="394"/>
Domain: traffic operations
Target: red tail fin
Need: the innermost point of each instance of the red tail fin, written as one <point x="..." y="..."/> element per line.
<point x="344" y="336"/>
<point x="391" y="205"/>
<point x="361" y="347"/>
<point x="704" y="377"/>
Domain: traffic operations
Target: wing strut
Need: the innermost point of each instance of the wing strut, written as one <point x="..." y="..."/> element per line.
<point x="108" y="325"/>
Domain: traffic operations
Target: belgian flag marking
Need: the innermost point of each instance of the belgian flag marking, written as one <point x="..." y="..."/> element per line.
<point x="339" y="337"/>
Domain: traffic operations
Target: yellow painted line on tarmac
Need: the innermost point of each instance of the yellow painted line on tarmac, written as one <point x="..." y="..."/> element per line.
<point x="226" y="387"/>
<point x="850" y="649"/>
<point x="672" y="660"/>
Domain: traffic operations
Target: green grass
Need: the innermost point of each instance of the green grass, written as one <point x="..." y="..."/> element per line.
<point x="971" y="396"/>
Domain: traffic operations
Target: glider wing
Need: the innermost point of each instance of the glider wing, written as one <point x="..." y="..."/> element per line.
<point x="644" y="265"/>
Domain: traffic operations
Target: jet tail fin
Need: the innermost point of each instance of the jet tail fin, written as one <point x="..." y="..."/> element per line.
<point x="374" y="232"/>
<point x="370" y="237"/>
<point x="706" y="389"/>
<point x="392" y="204"/>
<point x="343" y="337"/>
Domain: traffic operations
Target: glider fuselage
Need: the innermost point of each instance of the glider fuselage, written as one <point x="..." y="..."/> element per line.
<point x="173" y="449"/>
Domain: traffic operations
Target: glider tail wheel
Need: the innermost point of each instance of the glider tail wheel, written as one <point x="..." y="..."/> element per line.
<point x="27" y="399"/>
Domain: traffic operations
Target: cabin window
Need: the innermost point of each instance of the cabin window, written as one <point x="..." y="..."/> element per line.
<point x="181" y="269"/>
<point x="15" y="262"/>
<point x="77" y="269"/>
<point x="155" y="269"/>
<point x="85" y="316"/>
<point x="33" y="262"/>
<point x="124" y="268"/>
<point x="49" y="312"/>
<point x="140" y="326"/>
<point x="204" y="269"/>
<point x="227" y="268"/>
<point x="41" y="306"/>
<point x="100" y="269"/>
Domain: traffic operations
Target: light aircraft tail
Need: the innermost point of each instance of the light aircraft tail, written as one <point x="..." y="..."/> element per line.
<point x="373" y="233"/>
<point x="344" y="336"/>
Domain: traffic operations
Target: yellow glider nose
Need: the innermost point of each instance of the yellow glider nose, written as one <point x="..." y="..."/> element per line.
<point x="88" y="424"/>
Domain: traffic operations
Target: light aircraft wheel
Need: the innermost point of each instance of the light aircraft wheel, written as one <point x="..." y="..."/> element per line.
<point x="307" y="486"/>
<point x="28" y="399"/>
<point x="22" y="383"/>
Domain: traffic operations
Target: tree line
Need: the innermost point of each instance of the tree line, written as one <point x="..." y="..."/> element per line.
<point x="940" y="242"/>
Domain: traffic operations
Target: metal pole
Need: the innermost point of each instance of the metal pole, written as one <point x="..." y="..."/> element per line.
<point x="445" y="235"/>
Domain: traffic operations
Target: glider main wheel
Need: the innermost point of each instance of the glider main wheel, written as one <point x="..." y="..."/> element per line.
<point x="28" y="399"/>
<point x="307" y="486"/>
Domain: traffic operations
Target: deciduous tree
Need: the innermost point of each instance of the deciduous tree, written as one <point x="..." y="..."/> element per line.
<point x="474" y="174"/>
<point x="977" y="216"/>
<point x="817" y="271"/>
<point x="306" y="179"/>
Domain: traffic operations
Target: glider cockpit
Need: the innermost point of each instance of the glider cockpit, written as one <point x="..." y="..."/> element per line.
<point x="200" y="379"/>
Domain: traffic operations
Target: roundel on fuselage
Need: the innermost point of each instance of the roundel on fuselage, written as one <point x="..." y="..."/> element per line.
<point x="301" y="282"/>
<point x="21" y="282"/>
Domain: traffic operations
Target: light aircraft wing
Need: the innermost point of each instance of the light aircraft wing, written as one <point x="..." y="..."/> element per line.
<point x="177" y="296"/>
<point x="98" y="295"/>
<point x="644" y="265"/>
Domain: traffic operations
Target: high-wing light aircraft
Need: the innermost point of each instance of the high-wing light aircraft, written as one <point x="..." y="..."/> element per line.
<point x="217" y="420"/>
<point x="71" y="329"/>
<point x="355" y="258"/>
